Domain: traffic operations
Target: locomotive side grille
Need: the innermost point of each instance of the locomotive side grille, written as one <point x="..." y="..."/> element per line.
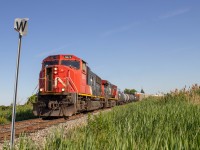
<point x="49" y="79"/>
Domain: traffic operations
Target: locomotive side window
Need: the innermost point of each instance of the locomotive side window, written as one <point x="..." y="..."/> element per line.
<point x="49" y="63"/>
<point x="74" y="64"/>
<point x="92" y="80"/>
<point x="83" y="66"/>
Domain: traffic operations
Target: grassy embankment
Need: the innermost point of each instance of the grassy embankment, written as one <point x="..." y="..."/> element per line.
<point x="23" y="112"/>
<point x="169" y="122"/>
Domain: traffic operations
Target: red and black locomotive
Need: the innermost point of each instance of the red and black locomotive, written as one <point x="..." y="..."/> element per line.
<point x="68" y="86"/>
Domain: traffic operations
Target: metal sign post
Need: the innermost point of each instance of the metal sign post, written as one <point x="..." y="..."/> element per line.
<point x="20" y="26"/>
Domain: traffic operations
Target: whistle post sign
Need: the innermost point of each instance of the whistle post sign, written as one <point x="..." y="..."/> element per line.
<point x="21" y="25"/>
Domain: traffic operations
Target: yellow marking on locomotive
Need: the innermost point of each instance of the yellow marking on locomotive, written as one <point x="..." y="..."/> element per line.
<point x="112" y="99"/>
<point x="89" y="95"/>
<point x="49" y="93"/>
<point x="80" y="94"/>
<point x="85" y="95"/>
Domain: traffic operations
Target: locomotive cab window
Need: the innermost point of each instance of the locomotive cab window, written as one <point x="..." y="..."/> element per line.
<point x="49" y="63"/>
<point x="71" y="63"/>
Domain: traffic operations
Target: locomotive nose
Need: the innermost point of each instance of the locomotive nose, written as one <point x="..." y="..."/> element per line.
<point x="50" y="74"/>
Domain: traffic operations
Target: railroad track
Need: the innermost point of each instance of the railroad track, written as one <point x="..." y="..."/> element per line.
<point x="33" y="125"/>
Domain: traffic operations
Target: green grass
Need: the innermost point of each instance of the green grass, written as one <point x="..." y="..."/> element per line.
<point x="23" y="112"/>
<point x="146" y="125"/>
<point x="170" y="122"/>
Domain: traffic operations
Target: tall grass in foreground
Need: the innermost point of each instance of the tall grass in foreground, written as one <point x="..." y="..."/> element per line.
<point x="145" y="125"/>
<point x="169" y="122"/>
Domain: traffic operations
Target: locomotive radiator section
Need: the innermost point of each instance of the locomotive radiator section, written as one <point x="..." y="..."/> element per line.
<point x="94" y="81"/>
<point x="55" y="105"/>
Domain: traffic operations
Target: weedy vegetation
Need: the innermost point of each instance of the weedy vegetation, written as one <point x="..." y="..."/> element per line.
<point x="168" y="122"/>
<point x="23" y="112"/>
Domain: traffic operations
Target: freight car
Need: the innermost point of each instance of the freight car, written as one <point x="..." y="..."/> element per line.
<point x="68" y="86"/>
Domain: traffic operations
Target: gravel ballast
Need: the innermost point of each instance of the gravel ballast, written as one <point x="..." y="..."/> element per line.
<point x="39" y="137"/>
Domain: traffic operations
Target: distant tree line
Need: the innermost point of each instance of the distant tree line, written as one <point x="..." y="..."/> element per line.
<point x="130" y="91"/>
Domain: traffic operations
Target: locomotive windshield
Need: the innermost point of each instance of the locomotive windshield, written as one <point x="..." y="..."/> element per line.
<point x="49" y="63"/>
<point x="75" y="64"/>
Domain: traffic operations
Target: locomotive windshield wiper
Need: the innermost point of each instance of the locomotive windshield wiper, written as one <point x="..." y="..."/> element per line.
<point x="74" y="64"/>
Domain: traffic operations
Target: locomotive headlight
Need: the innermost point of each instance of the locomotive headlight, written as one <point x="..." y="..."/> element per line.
<point x="63" y="89"/>
<point x="55" y="72"/>
<point x="55" y="69"/>
<point x="41" y="89"/>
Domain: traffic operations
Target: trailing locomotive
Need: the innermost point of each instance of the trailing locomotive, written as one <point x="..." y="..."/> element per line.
<point x="68" y="86"/>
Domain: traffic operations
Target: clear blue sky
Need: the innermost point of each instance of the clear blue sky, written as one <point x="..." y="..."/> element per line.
<point x="154" y="45"/>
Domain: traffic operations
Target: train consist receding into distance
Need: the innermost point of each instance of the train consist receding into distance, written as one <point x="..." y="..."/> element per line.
<point x="68" y="86"/>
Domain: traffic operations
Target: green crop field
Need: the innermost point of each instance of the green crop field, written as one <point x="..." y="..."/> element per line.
<point x="169" y="122"/>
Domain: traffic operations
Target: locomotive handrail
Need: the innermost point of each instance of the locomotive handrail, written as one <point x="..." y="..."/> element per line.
<point x="67" y="79"/>
<point x="71" y="81"/>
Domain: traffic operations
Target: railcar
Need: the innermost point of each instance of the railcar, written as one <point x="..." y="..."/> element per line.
<point x="68" y="86"/>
